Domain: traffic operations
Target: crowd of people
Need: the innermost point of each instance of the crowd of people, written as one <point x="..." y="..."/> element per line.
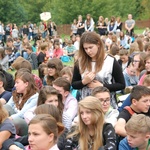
<point x="76" y="107"/>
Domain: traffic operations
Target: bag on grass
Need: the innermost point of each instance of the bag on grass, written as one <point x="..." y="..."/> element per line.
<point x="65" y="58"/>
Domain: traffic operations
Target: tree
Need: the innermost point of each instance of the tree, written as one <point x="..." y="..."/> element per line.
<point x="64" y="11"/>
<point x="12" y="11"/>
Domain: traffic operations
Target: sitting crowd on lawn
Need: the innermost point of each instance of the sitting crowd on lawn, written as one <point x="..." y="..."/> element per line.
<point x="64" y="94"/>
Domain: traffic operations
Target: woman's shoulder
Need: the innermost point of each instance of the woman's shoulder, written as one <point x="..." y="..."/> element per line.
<point x="109" y="58"/>
<point x="34" y="96"/>
<point x="7" y="124"/>
<point x="107" y="127"/>
<point x="6" y="121"/>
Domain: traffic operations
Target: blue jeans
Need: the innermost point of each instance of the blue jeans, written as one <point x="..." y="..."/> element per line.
<point x="17" y="54"/>
<point x="19" y="145"/>
<point x="1" y="37"/>
<point x="25" y="55"/>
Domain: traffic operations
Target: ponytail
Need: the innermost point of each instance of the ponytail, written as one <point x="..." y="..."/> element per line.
<point x="60" y="127"/>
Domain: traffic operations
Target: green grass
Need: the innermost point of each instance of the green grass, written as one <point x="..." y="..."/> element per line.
<point x="70" y="63"/>
<point x="139" y="31"/>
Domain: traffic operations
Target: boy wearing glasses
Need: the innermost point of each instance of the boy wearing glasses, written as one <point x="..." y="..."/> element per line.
<point x="140" y="104"/>
<point x="103" y="94"/>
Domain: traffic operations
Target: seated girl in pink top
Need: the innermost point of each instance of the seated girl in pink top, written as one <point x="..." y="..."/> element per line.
<point x="58" y="52"/>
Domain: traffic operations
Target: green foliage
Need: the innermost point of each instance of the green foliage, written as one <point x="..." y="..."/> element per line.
<point x="64" y="11"/>
<point x="12" y="11"/>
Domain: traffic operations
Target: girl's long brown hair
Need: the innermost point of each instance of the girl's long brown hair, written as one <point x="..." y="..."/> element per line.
<point x="58" y="65"/>
<point x="49" y="90"/>
<point x="84" y="59"/>
<point x="31" y="89"/>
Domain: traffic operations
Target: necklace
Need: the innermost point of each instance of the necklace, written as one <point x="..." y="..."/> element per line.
<point x="90" y="142"/>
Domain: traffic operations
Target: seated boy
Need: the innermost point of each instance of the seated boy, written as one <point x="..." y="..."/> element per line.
<point x="103" y="94"/>
<point x="9" y="78"/>
<point x="66" y="72"/>
<point x="70" y="48"/>
<point x="138" y="133"/>
<point x="32" y="57"/>
<point x="11" y="55"/>
<point x="41" y="58"/>
<point x="130" y="76"/>
<point x="70" y="103"/>
<point x="140" y="104"/>
<point x="124" y="60"/>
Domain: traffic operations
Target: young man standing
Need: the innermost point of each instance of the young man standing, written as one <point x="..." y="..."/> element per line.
<point x="129" y="25"/>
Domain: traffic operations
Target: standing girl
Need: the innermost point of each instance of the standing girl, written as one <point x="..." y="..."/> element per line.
<point x="95" y="68"/>
<point x="80" y="25"/>
<point x="89" y="23"/>
<point x="74" y="27"/>
<point x="4" y="59"/>
<point x="112" y="25"/>
<point x="101" y="26"/>
<point x="119" y="26"/>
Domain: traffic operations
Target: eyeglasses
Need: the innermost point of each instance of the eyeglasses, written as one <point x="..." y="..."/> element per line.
<point x="136" y="61"/>
<point x="105" y="101"/>
<point x="52" y="66"/>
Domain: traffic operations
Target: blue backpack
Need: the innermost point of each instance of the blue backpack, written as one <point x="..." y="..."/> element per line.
<point x="65" y="58"/>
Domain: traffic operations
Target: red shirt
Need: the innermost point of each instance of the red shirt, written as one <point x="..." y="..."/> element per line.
<point x="38" y="81"/>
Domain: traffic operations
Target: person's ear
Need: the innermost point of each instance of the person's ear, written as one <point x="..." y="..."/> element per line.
<point x="134" y="101"/>
<point x="51" y="137"/>
<point x="66" y="93"/>
<point x="148" y="136"/>
<point x="1" y="84"/>
<point x="26" y="83"/>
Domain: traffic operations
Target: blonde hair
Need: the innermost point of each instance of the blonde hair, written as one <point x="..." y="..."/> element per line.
<point x="43" y="46"/>
<point x="93" y="104"/>
<point x="134" y="48"/>
<point x="123" y="52"/>
<point x="3" y="114"/>
<point x="67" y="70"/>
<point x="138" y="123"/>
<point x="140" y="44"/>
